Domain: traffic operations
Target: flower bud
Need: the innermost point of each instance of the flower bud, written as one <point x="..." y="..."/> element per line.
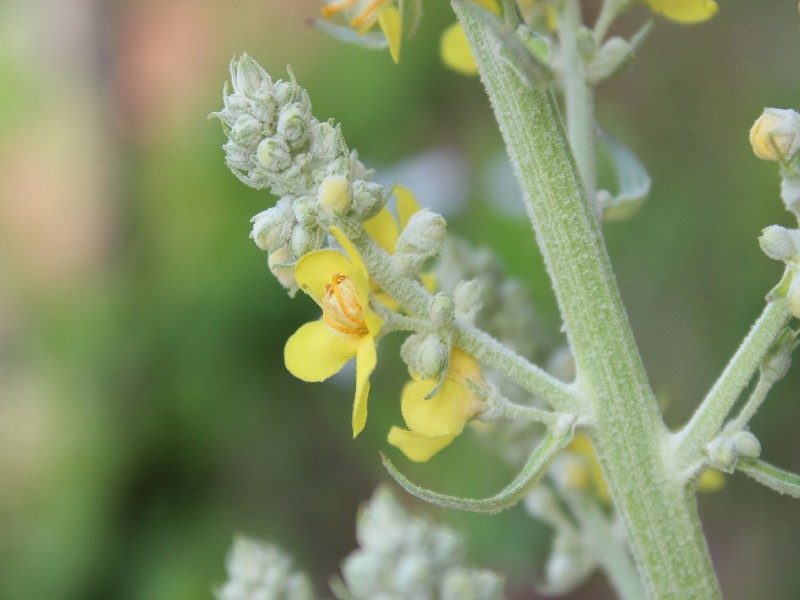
<point x="747" y="445"/>
<point x="424" y="235"/>
<point x="305" y="210"/>
<point x="432" y="357"/>
<point x="293" y="126"/>
<point x="442" y="309"/>
<point x="273" y="155"/>
<point x="779" y="359"/>
<point x="472" y="584"/>
<point x="281" y="265"/>
<point x="272" y="228"/>
<point x="246" y="131"/>
<point x="410" y="350"/>
<point x="335" y="195"/>
<point x="248" y="77"/>
<point x="780" y="243"/>
<point x="722" y="453"/>
<point x="468" y="299"/>
<point x="368" y="199"/>
<point x="304" y="240"/>
<point x="776" y="134"/>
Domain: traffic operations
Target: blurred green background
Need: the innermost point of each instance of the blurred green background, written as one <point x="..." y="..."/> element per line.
<point x="145" y="413"/>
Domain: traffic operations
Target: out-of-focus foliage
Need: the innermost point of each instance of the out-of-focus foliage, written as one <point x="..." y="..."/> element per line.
<point x="145" y="413"/>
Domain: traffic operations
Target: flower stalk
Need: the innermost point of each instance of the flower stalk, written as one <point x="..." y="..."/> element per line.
<point x="659" y="514"/>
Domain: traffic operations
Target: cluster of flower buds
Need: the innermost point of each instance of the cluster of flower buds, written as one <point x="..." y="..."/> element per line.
<point x="259" y="570"/>
<point x="276" y="143"/>
<point x="402" y="556"/>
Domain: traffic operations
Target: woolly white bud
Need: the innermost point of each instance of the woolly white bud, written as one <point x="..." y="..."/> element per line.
<point x="722" y="453"/>
<point x="281" y="264"/>
<point x="272" y="228"/>
<point x="293" y="126"/>
<point x="776" y="134"/>
<point x="423" y="236"/>
<point x="304" y="240"/>
<point x="432" y="357"/>
<point x="468" y="299"/>
<point x="442" y="309"/>
<point x="273" y="155"/>
<point x="780" y="243"/>
<point x="747" y="445"/>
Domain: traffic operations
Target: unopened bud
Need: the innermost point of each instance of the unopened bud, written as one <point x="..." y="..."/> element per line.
<point x="335" y="195"/>
<point x="776" y="134"/>
<point x="747" y="445"/>
<point x="424" y="235"/>
<point x="779" y="359"/>
<point x="273" y="155"/>
<point x="249" y="78"/>
<point x="368" y="199"/>
<point x="442" y="309"/>
<point x="468" y="299"/>
<point x="246" y="131"/>
<point x="432" y="357"/>
<point x="305" y="240"/>
<point x="293" y="126"/>
<point x="272" y="228"/>
<point x="722" y="453"/>
<point x="281" y="265"/>
<point x="780" y="243"/>
<point x="472" y="584"/>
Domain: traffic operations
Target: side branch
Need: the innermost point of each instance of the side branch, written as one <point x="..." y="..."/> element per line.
<point x="689" y="443"/>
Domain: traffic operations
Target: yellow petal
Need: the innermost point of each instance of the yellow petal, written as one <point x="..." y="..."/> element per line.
<point x="383" y="229"/>
<point x="358" y="272"/>
<point x="316" y="351"/>
<point x="463" y="368"/>
<point x="711" y="481"/>
<point x="444" y="414"/>
<point x="684" y="11"/>
<point x="316" y="269"/>
<point x="407" y="204"/>
<point x="392" y="25"/>
<point x="365" y="365"/>
<point x="455" y="51"/>
<point x="416" y="447"/>
<point x="490" y="5"/>
<point x="429" y="281"/>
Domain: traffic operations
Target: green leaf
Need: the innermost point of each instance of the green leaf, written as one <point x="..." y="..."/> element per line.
<point x="410" y="15"/>
<point x="513" y="50"/>
<point x="615" y="55"/>
<point x="530" y="474"/>
<point x="633" y="181"/>
<point x="774" y="478"/>
<point x="373" y="40"/>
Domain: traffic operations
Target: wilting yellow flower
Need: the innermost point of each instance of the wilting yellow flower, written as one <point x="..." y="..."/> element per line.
<point x="684" y="11"/>
<point x="368" y="13"/>
<point x="433" y="424"/>
<point x="348" y="326"/>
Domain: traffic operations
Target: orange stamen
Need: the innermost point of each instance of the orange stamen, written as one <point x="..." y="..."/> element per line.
<point x="337" y="279"/>
<point x="337" y="327"/>
<point x="332" y="9"/>
<point x="366" y="13"/>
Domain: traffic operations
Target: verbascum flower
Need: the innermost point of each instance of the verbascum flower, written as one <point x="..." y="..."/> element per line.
<point x="433" y="424"/>
<point x="364" y="15"/>
<point x="684" y="11"/>
<point x="348" y="326"/>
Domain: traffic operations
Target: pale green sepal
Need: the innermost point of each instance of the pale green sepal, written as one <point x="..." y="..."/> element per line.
<point x="774" y="478"/>
<point x="633" y="182"/>
<point x="615" y="55"/>
<point x="373" y="40"/>
<point x="410" y="15"/>
<point x="513" y="50"/>
<point x="530" y="474"/>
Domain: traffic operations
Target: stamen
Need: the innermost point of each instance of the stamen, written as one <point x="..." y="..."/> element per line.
<point x="366" y="13"/>
<point x="332" y="9"/>
<point x="337" y="279"/>
<point x="337" y="327"/>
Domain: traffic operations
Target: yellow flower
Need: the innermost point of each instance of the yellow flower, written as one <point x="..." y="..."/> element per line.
<point x="368" y="13"/>
<point x="433" y="424"/>
<point x="348" y="326"/>
<point x="454" y="48"/>
<point x="684" y="11"/>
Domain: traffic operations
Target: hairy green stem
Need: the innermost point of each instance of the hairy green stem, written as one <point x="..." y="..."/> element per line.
<point x="609" y="549"/>
<point x="659" y="514"/>
<point x="752" y="405"/>
<point x="689" y="443"/>
<point x="414" y="297"/>
<point x="578" y="97"/>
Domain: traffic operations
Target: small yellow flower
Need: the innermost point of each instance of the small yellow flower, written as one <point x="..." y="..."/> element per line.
<point x="433" y="424"/>
<point x="684" y="11"/>
<point x="348" y="326"/>
<point x="368" y="13"/>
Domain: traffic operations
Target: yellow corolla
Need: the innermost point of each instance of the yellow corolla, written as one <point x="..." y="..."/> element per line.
<point x="348" y="326"/>
<point x="684" y="11"/>
<point x="367" y="14"/>
<point x="433" y="424"/>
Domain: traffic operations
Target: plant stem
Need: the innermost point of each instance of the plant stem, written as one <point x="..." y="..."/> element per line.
<point x="414" y="297"/>
<point x="659" y="514"/>
<point x="752" y="405"/>
<point x="578" y="97"/>
<point x="607" y="546"/>
<point x="689" y="443"/>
